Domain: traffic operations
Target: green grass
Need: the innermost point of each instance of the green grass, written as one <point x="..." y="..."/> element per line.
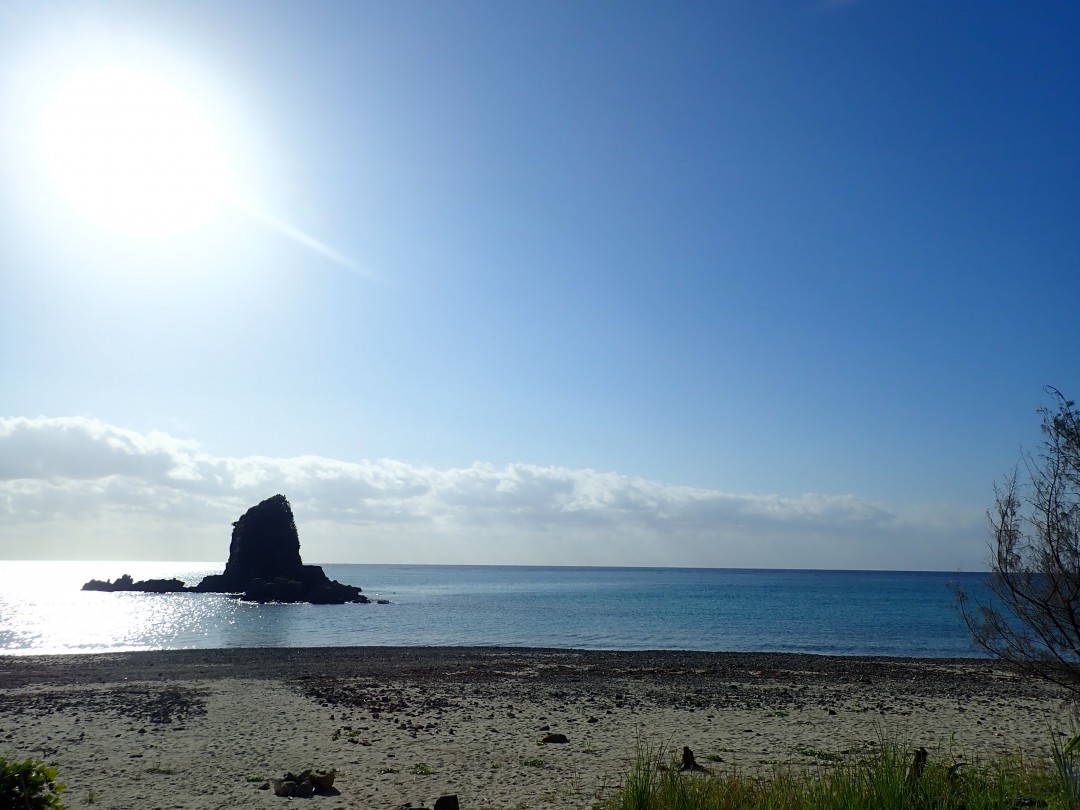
<point x="877" y="781"/>
<point x="421" y="769"/>
<point x="824" y="756"/>
<point x="534" y="763"/>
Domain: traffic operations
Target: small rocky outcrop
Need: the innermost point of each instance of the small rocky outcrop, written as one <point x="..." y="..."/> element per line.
<point x="305" y="784"/>
<point x="126" y="583"/>
<point x="264" y="565"/>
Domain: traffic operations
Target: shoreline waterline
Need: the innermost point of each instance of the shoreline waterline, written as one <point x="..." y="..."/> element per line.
<point x="278" y="661"/>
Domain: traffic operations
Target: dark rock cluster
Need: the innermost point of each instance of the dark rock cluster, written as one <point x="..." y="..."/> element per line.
<point x="264" y="565"/>
<point x="304" y="784"/>
<point x="126" y="583"/>
<point x="170" y="706"/>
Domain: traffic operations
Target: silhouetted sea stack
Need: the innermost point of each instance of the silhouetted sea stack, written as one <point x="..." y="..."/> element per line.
<point x="264" y="565"/>
<point x="265" y="545"/>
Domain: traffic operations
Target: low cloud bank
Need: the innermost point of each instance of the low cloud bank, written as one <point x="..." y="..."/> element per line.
<point x="77" y="488"/>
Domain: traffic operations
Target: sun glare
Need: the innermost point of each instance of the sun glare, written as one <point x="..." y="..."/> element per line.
<point x="134" y="154"/>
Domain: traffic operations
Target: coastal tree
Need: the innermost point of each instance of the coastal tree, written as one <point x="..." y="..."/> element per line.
<point x="1031" y="619"/>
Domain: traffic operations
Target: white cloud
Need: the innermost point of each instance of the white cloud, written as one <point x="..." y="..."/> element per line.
<point x="79" y="488"/>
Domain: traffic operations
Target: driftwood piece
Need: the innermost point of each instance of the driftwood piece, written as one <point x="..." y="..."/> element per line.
<point x="918" y="765"/>
<point x="688" y="762"/>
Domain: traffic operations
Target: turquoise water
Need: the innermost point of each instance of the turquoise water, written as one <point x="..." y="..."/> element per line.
<point x="42" y="610"/>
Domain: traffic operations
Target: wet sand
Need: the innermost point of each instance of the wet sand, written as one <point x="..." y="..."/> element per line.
<point x="402" y="726"/>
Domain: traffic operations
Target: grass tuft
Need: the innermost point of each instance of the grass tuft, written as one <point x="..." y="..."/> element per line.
<point x="877" y="781"/>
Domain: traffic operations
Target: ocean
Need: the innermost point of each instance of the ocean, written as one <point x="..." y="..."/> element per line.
<point x="878" y="613"/>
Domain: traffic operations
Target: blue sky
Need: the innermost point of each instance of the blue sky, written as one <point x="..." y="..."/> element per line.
<point x="770" y="284"/>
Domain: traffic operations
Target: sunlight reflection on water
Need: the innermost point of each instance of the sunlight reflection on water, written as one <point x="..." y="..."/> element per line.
<point x="50" y="614"/>
<point x="43" y="610"/>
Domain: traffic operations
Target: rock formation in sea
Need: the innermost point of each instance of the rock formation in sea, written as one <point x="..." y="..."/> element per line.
<point x="264" y="565"/>
<point x="126" y="583"/>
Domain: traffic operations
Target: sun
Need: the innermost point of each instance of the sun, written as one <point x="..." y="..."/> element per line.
<point x="135" y="155"/>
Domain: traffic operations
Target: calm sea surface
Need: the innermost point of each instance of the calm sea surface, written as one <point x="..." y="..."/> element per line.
<point x="42" y="610"/>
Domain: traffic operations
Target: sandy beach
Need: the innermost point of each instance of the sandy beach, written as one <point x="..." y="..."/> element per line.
<point x="402" y="726"/>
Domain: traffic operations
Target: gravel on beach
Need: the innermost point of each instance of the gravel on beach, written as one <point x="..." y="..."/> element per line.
<point x="403" y="725"/>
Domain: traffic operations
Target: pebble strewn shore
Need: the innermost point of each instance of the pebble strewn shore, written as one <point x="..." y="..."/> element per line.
<point x="207" y="728"/>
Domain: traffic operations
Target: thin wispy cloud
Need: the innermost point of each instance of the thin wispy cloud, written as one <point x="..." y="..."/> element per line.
<point x="305" y="239"/>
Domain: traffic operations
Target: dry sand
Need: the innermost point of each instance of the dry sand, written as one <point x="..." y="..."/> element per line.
<point x="402" y="726"/>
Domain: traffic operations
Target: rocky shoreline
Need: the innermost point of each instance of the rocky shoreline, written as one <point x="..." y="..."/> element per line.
<point x="934" y="676"/>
